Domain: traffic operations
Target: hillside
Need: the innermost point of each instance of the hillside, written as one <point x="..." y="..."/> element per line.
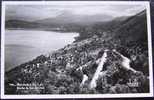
<point x="100" y="63"/>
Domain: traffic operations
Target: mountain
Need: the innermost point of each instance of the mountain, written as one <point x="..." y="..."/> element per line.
<point x="98" y="64"/>
<point x="69" y="18"/>
<point x="126" y="29"/>
<point x="20" y="24"/>
<point x="68" y="22"/>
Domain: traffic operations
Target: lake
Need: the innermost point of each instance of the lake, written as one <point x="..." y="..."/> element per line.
<point x="24" y="45"/>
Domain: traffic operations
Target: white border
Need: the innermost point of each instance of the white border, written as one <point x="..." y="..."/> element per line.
<point x="145" y="3"/>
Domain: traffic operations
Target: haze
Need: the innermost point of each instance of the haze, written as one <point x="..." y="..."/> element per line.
<point x="39" y="12"/>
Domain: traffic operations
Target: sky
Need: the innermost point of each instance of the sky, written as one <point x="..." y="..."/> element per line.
<point x="38" y="12"/>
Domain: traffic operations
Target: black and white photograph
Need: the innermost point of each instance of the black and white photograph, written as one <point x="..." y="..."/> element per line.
<point x="78" y="49"/>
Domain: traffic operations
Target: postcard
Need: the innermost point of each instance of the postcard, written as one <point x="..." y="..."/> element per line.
<point x="76" y="49"/>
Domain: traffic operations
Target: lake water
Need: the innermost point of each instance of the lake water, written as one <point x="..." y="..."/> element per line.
<point x="24" y="45"/>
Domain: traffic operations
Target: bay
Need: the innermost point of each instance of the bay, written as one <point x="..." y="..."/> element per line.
<point x="24" y="45"/>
